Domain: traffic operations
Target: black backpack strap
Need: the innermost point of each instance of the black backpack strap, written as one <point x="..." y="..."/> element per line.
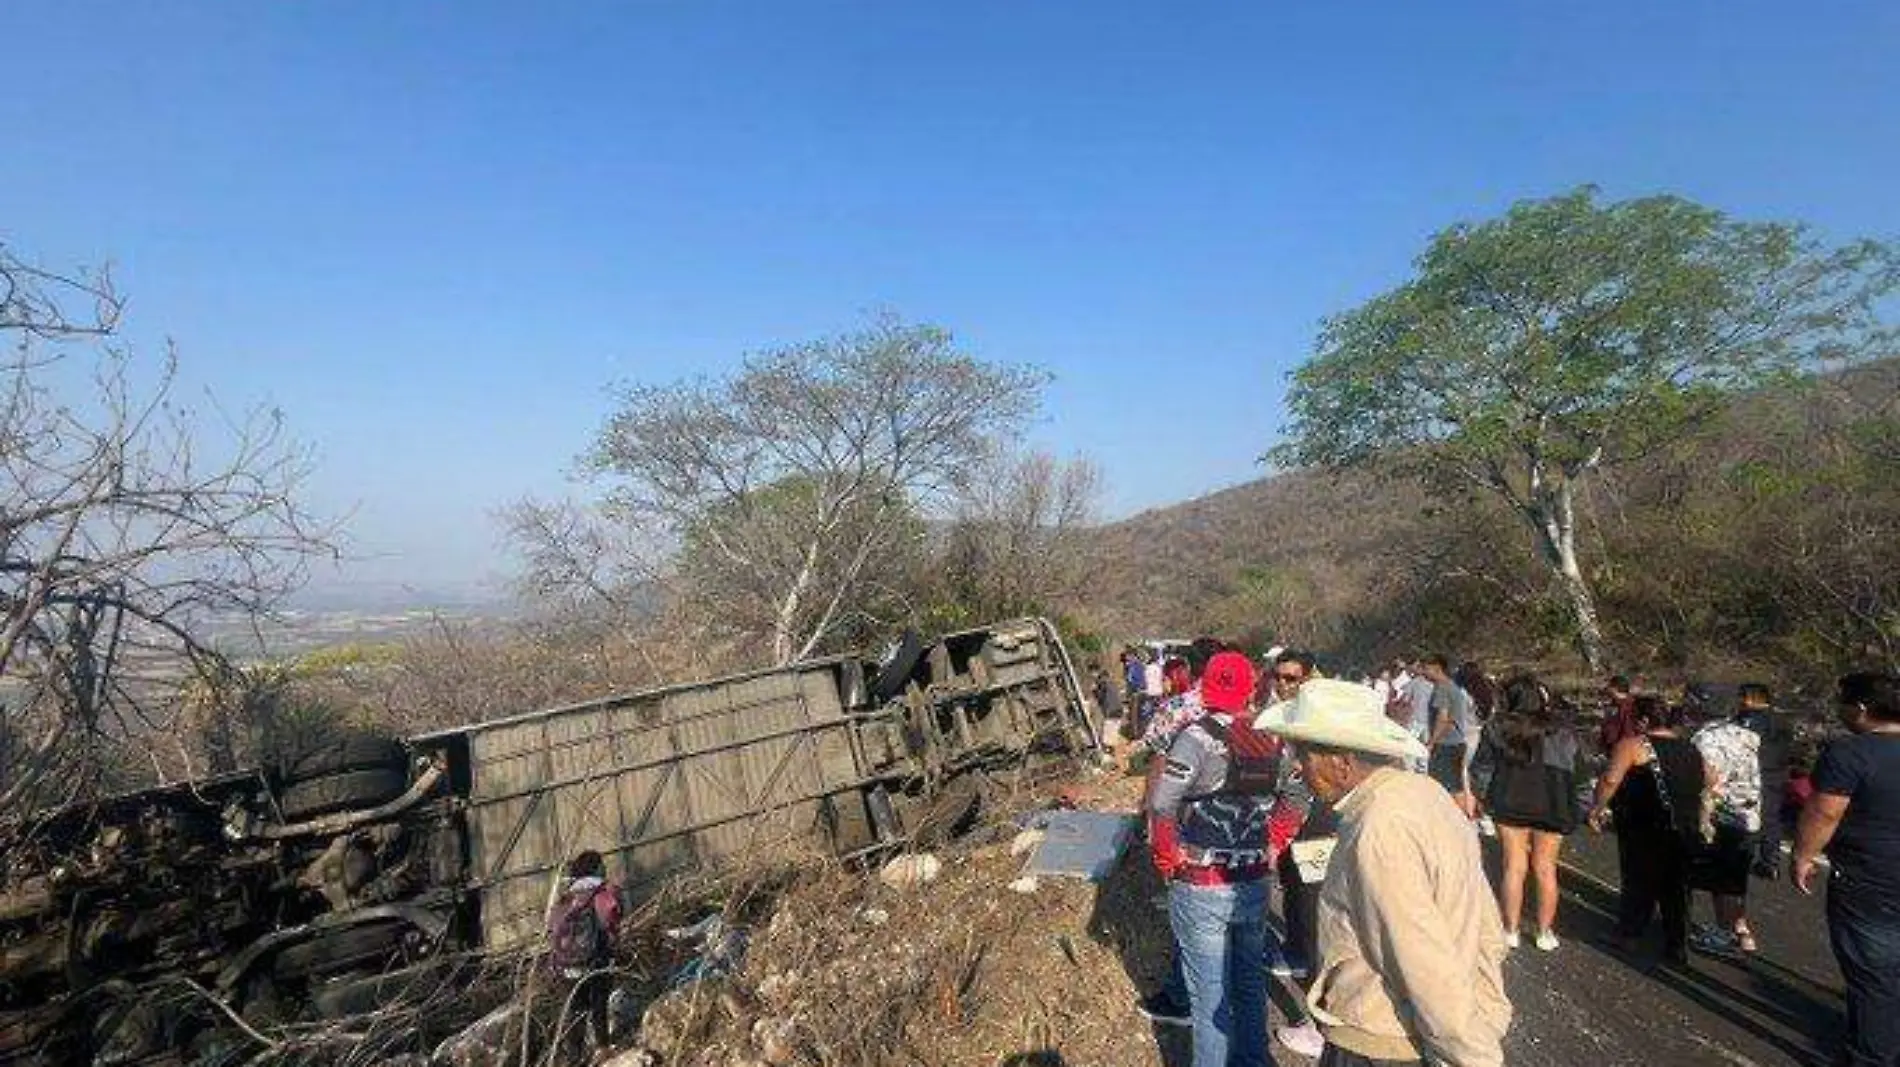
<point x="1217" y="730"/>
<point x="1212" y="727"/>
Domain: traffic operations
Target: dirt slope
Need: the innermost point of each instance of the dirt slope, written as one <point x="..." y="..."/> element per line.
<point x="961" y="971"/>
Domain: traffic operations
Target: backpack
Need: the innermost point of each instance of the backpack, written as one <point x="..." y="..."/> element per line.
<point x="1253" y="760"/>
<point x="577" y="939"/>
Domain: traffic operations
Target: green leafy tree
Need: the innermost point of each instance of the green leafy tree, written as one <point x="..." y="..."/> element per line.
<point x="1533" y="350"/>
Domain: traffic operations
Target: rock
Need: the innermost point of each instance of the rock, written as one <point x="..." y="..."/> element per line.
<point x="777" y="987"/>
<point x="634" y="1057"/>
<point x="717" y="1055"/>
<point x="909" y="872"/>
<point x="875" y="916"/>
<point x="664" y="1025"/>
<point x="1026" y="884"/>
<point x="776" y="1041"/>
<point x="1026" y="841"/>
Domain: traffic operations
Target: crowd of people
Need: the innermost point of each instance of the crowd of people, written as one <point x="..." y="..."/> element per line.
<point x="1355" y="809"/>
<point x="1363" y="803"/>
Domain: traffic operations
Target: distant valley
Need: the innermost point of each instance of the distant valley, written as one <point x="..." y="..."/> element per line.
<point x="354" y="613"/>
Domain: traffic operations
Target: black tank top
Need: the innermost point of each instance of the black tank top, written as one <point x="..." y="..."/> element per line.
<point x="1640" y="805"/>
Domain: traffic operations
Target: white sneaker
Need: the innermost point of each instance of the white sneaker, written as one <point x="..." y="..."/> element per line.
<point x="1304" y="1039"/>
<point x="1511" y="939"/>
<point x="1546" y="941"/>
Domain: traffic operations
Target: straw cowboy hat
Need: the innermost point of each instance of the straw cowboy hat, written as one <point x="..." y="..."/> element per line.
<point x="1340" y="714"/>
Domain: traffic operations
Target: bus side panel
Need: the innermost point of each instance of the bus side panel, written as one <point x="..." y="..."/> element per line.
<point x="693" y="777"/>
<point x="779" y="776"/>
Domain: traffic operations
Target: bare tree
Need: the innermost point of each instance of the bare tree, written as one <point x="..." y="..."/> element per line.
<point x="41" y="303"/>
<point x="789" y="487"/>
<point x="125" y="523"/>
<point x="579" y="563"/>
<point x="1017" y="546"/>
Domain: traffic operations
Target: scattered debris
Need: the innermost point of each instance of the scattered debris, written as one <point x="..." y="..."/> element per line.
<point x="778" y="987"/>
<point x="1067" y="945"/>
<point x="910" y="872"/>
<point x="698" y="931"/>
<point x="721" y="947"/>
<point x="1081" y="844"/>
<point x="1025" y="841"/>
<point x="930" y="964"/>
<point x="488" y="1040"/>
<point x="774" y="1039"/>
<point x="675" y="1023"/>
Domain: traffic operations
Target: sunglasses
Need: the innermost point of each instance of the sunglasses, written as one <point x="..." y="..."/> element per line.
<point x="1289" y="677"/>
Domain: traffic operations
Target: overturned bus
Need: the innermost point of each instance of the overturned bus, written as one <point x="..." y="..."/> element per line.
<point x="294" y="893"/>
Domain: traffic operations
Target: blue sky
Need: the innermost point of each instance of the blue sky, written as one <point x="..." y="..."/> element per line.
<point x="434" y="233"/>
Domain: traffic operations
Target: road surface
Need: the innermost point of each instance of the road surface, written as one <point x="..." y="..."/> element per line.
<point x="1587" y="1005"/>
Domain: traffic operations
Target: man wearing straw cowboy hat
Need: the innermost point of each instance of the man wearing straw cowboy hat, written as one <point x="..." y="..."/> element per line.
<point x="1410" y="943"/>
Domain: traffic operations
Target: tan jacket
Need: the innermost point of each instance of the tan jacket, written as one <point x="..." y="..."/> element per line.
<point x="1409" y="939"/>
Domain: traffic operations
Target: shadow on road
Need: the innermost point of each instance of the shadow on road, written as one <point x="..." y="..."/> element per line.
<point x="1780" y="1008"/>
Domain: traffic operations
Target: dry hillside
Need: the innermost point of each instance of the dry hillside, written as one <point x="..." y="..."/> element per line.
<point x="1760" y="544"/>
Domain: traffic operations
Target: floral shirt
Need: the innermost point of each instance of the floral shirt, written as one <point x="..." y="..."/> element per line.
<point x="1734" y="751"/>
<point x="1171" y="718"/>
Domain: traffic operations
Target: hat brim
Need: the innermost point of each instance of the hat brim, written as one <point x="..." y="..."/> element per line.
<point x="1395" y="742"/>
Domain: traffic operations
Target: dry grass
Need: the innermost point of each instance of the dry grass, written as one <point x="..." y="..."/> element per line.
<point x="847" y="971"/>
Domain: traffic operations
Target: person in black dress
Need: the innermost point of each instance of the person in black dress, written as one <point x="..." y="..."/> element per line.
<point x="1654" y="792"/>
<point x="1525" y="770"/>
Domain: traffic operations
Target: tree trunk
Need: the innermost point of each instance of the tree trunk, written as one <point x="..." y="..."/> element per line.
<point x="846" y="583"/>
<point x="784" y="634"/>
<point x="1584" y="609"/>
<point x="1553" y="517"/>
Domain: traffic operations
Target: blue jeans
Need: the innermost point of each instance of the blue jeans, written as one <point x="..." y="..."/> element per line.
<point x="1863" y="922"/>
<point x="1220" y="937"/>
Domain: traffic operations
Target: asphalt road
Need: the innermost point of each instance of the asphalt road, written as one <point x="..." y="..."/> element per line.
<point x="1587" y="1005"/>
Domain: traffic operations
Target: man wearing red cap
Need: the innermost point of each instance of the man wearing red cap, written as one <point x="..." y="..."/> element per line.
<point x="1207" y="829"/>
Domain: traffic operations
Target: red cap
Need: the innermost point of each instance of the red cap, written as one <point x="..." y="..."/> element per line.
<point x="1227" y="683"/>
